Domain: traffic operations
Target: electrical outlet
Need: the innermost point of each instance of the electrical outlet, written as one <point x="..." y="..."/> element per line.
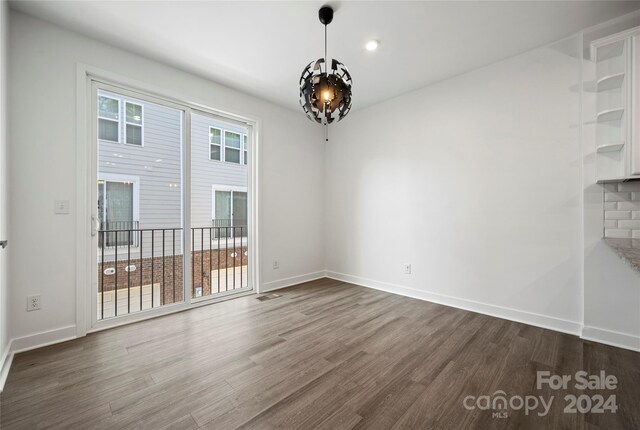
<point x="407" y="269"/>
<point x="33" y="302"/>
<point x="276" y="264"/>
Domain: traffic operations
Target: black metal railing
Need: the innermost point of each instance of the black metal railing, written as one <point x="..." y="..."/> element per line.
<point x="142" y="261"/>
<point x="118" y="233"/>
<point x="225" y="225"/>
<point x="147" y="264"/>
<point x="229" y="246"/>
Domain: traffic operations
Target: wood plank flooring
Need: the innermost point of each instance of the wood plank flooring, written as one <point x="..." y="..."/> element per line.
<point x="323" y="355"/>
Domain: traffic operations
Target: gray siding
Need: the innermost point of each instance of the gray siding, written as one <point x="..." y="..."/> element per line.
<point x="157" y="168"/>
<point x="206" y="172"/>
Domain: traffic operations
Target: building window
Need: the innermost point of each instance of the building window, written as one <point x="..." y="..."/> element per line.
<point x="232" y="147"/>
<point x="133" y="119"/>
<point x="245" y="147"/>
<point x="229" y="211"/>
<point x="228" y="146"/>
<point x="108" y="119"/>
<point x="110" y="111"/>
<point x="215" y="141"/>
<point x="117" y="211"/>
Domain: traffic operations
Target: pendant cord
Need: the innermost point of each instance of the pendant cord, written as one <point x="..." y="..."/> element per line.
<point x="326" y="70"/>
<point x="326" y="61"/>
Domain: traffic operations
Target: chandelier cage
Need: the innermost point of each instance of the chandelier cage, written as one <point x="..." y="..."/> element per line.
<point x="325" y="92"/>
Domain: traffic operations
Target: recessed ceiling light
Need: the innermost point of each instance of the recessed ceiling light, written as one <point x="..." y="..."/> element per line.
<point x="372" y="45"/>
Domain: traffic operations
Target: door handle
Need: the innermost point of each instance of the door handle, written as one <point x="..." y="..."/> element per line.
<point x="4" y="243"/>
<point x="94" y="225"/>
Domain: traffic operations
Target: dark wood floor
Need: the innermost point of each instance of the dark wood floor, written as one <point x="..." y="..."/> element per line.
<point x="324" y="355"/>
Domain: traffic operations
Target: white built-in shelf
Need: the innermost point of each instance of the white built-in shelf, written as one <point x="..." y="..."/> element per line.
<point x="613" y="179"/>
<point x="610" y="115"/>
<point x="610" y="82"/>
<point x="610" y="147"/>
<point x="610" y="50"/>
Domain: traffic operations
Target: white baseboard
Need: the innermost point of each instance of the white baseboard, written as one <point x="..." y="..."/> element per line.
<point x="294" y="280"/>
<point x="613" y="338"/>
<point x="5" y="365"/>
<point x="44" y="338"/>
<point x="525" y="317"/>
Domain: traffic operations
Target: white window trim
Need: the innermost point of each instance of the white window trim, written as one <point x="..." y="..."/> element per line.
<point x="111" y="119"/>
<point x="114" y="177"/>
<point x="141" y="125"/>
<point x="244" y="138"/>
<point x="215" y="144"/>
<point x="224" y="140"/>
<point x="244" y="149"/>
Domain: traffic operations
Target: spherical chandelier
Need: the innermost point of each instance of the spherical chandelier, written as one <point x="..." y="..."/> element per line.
<point x="325" y="92"/>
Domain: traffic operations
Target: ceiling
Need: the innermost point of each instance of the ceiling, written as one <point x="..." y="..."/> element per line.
<point x="261" y="47"/>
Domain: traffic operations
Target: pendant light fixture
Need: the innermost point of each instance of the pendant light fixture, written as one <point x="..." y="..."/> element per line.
<point x="325" y="92"/>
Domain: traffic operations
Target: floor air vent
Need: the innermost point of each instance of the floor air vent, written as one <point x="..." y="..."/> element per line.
<point x="268" y="297"/>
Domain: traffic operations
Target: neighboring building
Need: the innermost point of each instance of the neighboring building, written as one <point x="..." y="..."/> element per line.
<point x="140" y="203"/>
<point x="140" y="171"/>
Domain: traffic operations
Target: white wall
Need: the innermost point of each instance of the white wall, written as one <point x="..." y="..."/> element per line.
<point x="4" y="177"/>
<point x="42" y="64"/>
<point x="611" y="286"/>
<point x="475" y="181"/>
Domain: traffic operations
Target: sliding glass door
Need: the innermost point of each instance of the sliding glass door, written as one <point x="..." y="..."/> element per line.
<point x="230" y="210"/>
<point x="169" y="229"/>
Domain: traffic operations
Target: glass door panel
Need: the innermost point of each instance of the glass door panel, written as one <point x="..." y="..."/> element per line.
<point x="222" y="213"/>
<point x="219" y="231"/>
<point x="239" y="209"/>
<point x="139" y="204"/>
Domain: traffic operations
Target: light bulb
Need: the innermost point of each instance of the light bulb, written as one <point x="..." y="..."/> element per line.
<point x="325" y="96"/>
<point x="372" y="45"/>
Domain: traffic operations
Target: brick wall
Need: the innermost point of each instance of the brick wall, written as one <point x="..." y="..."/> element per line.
<point x="622" y="210"/>
<point x="150" y="271"/>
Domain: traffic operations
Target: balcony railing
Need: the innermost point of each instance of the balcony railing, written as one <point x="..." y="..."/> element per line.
<point x="227" y="223"/>
<point x="229" y="244"/>
<point x="118" y="233"/>
<point x="141" y="269"/>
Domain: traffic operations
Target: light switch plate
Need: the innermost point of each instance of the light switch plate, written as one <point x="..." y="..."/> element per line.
<point x="61" y="207"/>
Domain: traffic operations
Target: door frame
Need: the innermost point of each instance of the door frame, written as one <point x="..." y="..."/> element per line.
<point x="88" y="77"/>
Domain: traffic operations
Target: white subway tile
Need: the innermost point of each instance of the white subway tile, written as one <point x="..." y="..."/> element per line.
<point x="610" y="206"/>
<point x="610" y="223"/>
<point x="612" y="188"/>
<point x="617" y="215"/>
<point x="635" y="196"/>
<point x="635" y="215"/>
<point x="617" y="233"/>
<point x="635" y="234"/>
<point x="618" y="197"/>
<point x="630" y="224"/>
<point x="628" y="206"/>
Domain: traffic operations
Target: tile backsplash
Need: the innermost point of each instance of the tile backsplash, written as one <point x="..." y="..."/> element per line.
<point x="622" y="210"/>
